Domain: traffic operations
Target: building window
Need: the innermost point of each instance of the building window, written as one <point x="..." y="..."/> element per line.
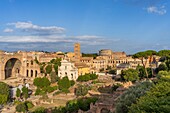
<point x="31" y="62"/>
<point x="31" y="73"/>
<point x="27" y="73"/>
<point x="27" y="64"/>
<point x="72" y="75"/>
<point x="65" y="67"/>
<point x="65" y="73"/>
<point x="36" y="73"/>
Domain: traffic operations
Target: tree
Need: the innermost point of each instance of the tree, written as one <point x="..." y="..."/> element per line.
<point x="81" y="90"/>
<point x="156" y="99"/>
<point x="162" y="67"/>
<point x="164" y="53"/>
<point x="18" y="92"/>
<point x="130" y="75"/>
<point x="87" y="77"/>
<point x="131" y="95"/>
<point x="150" y="72"/>
<point x="143" y="56"/>
<point x="4" y="93"/>
<point x="163" y="74"/>
<point x="141" y="71"/>
<point x="25" y="92"/>
<point x="64" y="83"/>
<point x="41" y="82"/>
<point x="48" y="69"/>
<point x="53" y="77"/>
<point x="21" y="108"/>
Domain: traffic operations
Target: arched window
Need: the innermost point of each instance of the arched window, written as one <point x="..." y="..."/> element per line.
<point x="32" y="62"/>
<point x="31" y="73"/>
<point x="72" y="75"/>
<point x="35" y="73"/>
<point x="27" y="73"/>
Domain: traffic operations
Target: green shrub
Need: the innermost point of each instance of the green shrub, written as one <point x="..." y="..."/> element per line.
<point x="65" y="91"/>
<point x="93" y="76"/>
<point x="131" y="95"/>
<point x="87" y="77"/>
<point x="72" y="82"/>
<point x="130" y="75"/>
<point x="41" y="82"/>
<point x="48" y="69"/>
<point x="157" y="99"/>
<point x="21" y="107"/>
<point x="29" y="104"/>
<point x="82" y="103"/>
<point x="64" y="83"/>
<point x="4" y="93"/>
<point x="40" y="110"/>
<point x="81" y="90"/>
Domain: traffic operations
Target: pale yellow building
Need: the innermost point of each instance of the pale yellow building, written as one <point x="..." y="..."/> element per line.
<point x="82" y="68"/>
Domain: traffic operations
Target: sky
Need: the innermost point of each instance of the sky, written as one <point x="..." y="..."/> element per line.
<point x="55" y="25"/>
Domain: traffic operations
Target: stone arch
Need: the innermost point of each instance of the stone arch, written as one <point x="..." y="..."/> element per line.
<point x="12" y="67"/>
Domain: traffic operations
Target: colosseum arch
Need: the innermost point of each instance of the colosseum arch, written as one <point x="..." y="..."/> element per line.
<point x="12" y="67"/>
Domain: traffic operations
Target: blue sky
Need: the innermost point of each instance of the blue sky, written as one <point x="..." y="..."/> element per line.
<point x="53" y="25"/>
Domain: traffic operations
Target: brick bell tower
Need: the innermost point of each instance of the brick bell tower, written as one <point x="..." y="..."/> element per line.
<point x="77" y="52"/>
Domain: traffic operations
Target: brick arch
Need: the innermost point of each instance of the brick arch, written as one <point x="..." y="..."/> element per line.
<point x="12" y="67"/>
<point x="4" y="60"/>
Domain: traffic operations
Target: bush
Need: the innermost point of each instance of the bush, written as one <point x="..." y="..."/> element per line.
<point x="156" y="100"/>
<point x="82" y="103"/>
<point x="25" y="92"/>
<point x="87" y="77"/>
<point x="41" y="82"/>
<point x="163" y="74"/>
<point x="64" y="83"/>
<point x="65" y="91"/>
<point x="21" y="107"/>
<point x="18" y="92"/>
<point x="93" y="76"/>
<point x="130" y="75"/>
<point x="40" y="110"/>
<point x="4" y="93"/>
<point x="44" y="90"/>
<point x="48" y="69"/>
<point x="29" y="104"/>
<point x="72" y="82"/>
<point x="81" y="90"/>
<point x="130" y="96"/>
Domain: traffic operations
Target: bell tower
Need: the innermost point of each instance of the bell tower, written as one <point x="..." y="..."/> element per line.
<point x="77" y="52"/>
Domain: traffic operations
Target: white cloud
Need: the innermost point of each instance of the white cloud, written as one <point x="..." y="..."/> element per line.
<point x="85" y="39"/>
<point x="8" y="30"/>
<point x="158" y="10"/>
<point x="35" y="29"/>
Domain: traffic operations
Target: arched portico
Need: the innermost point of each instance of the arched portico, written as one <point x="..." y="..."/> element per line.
<point x="12" y="68"/>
